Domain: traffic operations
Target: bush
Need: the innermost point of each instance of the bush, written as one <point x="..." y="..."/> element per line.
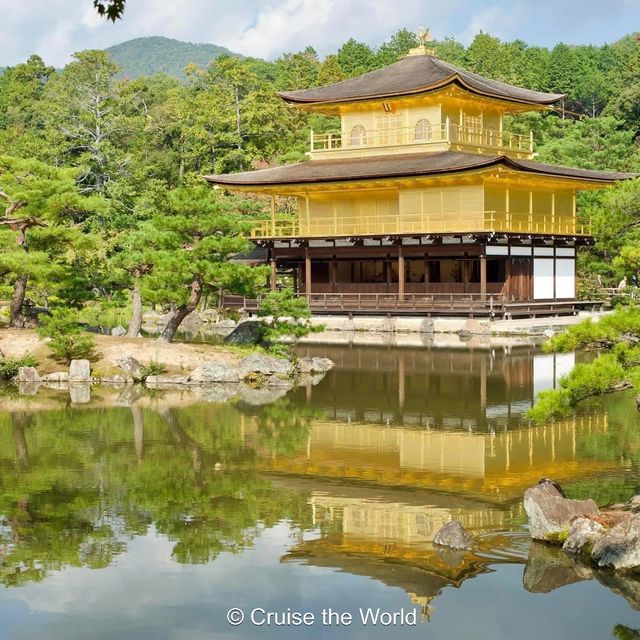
<point x="151" y="369"/>
<point x="68" y="340"/>
<point x="9" y="366"/>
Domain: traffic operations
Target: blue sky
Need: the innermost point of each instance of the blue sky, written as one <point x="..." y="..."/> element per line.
<point x="267" y="28"/>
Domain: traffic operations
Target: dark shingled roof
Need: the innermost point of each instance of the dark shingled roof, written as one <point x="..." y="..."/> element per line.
<point x="411" y="75"/>
<point x="395" y="166"/>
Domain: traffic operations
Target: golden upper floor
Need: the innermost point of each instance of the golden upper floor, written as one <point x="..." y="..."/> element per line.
<point x="418" y="104"/>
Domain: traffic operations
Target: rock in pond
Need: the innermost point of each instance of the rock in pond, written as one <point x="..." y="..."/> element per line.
<point x="550" y="513"/>
<point x="453" y="536"/>
<point x="158" y="382"/>
<point x="266" y="365"/>
<point x="314" y="365"/>
<point x="28" y="374"/>
<point x="80" y="371"/>
<point x="214" y="371"/>
<point x="128" y="364"/>
<point x="248" y="333"/>
<point x="619" y="547"/>
<point x="583" y="534"/>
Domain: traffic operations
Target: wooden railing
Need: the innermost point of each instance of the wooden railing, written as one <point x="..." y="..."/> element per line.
<point x="488" y="304"/>
<point x="422" y="223"/>
<point x="446" y="132"/>
<point x="493" y="305"/>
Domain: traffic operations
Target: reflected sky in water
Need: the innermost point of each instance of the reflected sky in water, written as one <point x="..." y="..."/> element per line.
<point x="149" y="515"/>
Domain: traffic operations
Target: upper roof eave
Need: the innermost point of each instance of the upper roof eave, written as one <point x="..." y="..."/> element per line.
<point x="293" y="99"/>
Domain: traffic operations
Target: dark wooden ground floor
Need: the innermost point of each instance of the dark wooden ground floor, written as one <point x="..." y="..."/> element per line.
<point x="452" y="275"/>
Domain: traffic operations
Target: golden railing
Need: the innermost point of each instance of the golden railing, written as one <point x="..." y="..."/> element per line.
<point x="427" y="223"/>
<point x="446" y="132"/>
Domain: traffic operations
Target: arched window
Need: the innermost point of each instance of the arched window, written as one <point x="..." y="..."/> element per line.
<point x="423" y="130"/>
<point x="358" y="136"/>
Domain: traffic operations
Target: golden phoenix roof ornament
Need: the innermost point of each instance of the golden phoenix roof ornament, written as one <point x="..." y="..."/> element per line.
<point x="424" y="36"/>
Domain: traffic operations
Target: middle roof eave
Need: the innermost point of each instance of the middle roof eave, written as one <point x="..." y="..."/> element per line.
<point x="396" y="166"/>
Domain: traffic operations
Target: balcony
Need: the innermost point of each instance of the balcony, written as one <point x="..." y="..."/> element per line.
<point x="480" y="222"/>
<point x="439" y="137"/>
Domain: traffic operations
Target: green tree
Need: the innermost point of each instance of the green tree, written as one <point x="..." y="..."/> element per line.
<point x="396" y="47"/>
<point x="40" y="239"/>
<point x="84" y="118"/>
<point x="193" y="236"/>
<point x="356" y="58"/>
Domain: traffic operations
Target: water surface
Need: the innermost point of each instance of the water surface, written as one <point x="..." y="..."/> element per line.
<point x="151" y="514"/>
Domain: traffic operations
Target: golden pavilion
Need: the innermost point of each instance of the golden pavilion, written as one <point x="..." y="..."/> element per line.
<point x="423" y="202"/>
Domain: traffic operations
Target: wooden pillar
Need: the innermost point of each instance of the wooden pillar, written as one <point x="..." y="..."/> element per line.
<point x="333" y="270"/>
<point x="273" y="273"/>
<point x="387" y="274"/>
<point x="426" y="275"/>
<point x="483" y="276"/>
<point x="400" y="272"/>
<point x="273" y="216"/>
<point x="307" y="272"/>
<point x="401" y="385"/>
<point x="465" y="273"/>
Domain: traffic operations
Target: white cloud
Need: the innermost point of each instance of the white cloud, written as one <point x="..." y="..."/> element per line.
<point x="56" y="28"/>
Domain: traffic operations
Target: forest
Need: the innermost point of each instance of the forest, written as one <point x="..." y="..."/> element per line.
<point x="106" y="212"/>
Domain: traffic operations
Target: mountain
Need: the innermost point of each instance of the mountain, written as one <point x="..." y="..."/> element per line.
<point x="156" y="54"/>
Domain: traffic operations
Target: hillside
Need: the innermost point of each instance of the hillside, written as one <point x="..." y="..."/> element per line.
<point x="156" y="54"/>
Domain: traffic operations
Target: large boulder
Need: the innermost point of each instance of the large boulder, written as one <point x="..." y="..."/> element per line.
<point x="314" y="365"/>
<point x="80" y="371"/>
<point x="550" y="513"/>
<point x="265" y="365"/>
<point x="118" y="331"/>
<point x="28" y="374"/>
<point x="583" y="534"/>
<point x="250" y="332"/>
<point x="453" y="536"/>
<point x="619" y="547"/>
<point x="214" y="371"/>
<point x="128" y="364"/>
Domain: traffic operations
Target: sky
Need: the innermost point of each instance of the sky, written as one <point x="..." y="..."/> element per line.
<point x="55" y="29"/>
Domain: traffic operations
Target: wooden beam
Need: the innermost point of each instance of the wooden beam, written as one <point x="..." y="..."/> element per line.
<point x="273" y="274"/>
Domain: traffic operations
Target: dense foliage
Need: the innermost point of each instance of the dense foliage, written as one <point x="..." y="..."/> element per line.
<point x="101" y="177"/>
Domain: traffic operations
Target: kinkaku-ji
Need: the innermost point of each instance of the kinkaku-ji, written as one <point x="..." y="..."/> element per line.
<point x="424" y="201"/>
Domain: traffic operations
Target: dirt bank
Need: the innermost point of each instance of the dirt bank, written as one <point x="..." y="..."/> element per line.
<point x="177" y="357"/>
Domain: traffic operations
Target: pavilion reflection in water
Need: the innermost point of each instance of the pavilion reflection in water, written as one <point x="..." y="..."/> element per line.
<point x="435" y="438"/>
<point x="441" y="388"/>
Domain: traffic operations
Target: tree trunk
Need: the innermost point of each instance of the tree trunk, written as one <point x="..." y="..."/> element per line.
<point x="136" y="316"/>
<point x="169" y="332"/>
<point x="16" y="319"/>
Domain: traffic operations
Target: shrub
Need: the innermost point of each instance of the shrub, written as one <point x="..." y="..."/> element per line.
<point x="68" y="340"/>
<point x="9" y="366"/>
<point x="285" y="316"/>
<point x="151" y="369"/>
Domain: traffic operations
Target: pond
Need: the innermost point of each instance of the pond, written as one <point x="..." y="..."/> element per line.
<point x="145" y="514"/>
